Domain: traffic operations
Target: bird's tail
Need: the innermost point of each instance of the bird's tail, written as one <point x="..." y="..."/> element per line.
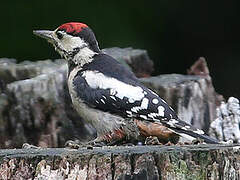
<point x="194" y="135"/>
<point x="188" y="131"/>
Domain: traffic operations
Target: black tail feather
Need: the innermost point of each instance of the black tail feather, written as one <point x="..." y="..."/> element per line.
<point x="204" y="137"/>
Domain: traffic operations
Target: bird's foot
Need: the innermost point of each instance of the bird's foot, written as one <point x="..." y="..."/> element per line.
<point x="197" y="141"/>
<point x="89" y="145"/>
<point x="73" y="144"/>
<point x="29" y="146"/>
<point x="152" y="140"/>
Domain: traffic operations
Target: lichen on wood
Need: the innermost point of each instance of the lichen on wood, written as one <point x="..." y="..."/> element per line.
<point x="226" y="125"/>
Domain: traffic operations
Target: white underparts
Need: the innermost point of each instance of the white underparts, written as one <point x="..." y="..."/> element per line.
<point x="103" y="122"/>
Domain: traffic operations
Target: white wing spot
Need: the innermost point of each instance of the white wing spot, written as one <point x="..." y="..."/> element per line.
<point x="113" y="92"/>
<point x="184" y="128"/>
<point x="131" y="100"/>
<point x="104" y="97"/>
<point x="145" y="92"/>
<point x="188" y="127"/>
<point x="136" y="109"/>
<point x="113" y="98"/>
<point x="161" y="111"/>
<point x="144" y="104"/>
<point x="143" y="116"/>
<point x="129" y="112"/>
<point x="172" y="122"/>
<point x="155" y="101"/>
<point x="198" y="131"/>
<point x="102" y="101"/>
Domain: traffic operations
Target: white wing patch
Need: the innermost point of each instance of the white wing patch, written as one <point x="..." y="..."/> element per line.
<point x="96" y="79"/>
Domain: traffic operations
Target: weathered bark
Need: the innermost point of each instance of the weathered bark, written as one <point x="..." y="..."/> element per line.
<point x="137" y="162"/>
<point x="226" y="126"/>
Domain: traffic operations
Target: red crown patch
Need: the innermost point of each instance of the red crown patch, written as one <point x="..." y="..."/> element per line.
<point x="72" y="27"/>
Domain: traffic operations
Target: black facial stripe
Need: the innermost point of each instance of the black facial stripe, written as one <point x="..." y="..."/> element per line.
<point x="76" y="50"/>
<point x="58" y="47"/>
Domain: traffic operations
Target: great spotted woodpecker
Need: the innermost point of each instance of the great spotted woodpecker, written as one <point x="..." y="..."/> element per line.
<point x="108" y="95"/>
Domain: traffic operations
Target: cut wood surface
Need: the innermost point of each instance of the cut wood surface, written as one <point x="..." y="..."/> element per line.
<point x="123" y="162"/>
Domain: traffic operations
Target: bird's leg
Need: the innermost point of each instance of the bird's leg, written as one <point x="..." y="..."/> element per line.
<point x="115" y="137"/>
<point x="152" y="140"/>
<point x="98" y="142"/>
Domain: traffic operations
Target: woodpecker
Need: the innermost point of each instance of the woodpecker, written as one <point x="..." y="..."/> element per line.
<point x="108" y="95"/>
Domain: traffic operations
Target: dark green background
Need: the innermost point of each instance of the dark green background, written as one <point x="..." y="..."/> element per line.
<point x="175" y="33"/>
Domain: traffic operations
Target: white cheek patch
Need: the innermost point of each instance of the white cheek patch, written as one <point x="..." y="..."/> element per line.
<point x="69" y="42"/>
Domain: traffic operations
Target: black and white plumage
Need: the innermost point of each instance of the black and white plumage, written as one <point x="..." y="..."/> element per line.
<point x="101" y="86"/>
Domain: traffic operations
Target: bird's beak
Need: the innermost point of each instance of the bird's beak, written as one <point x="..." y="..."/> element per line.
<point x="46" y="34"/>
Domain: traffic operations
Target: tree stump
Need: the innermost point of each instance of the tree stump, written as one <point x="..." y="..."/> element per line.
<point x="125" y="163"/>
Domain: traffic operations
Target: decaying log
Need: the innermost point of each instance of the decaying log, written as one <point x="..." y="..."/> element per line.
<point x="136" y="162"/>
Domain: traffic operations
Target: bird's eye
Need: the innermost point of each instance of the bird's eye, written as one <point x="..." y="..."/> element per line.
<point x="59" y="35"/>
<point x="76" y="49"/>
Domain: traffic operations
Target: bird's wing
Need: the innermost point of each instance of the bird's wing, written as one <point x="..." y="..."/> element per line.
<point x="117" y="97"/>
<point x="114" y="96"/>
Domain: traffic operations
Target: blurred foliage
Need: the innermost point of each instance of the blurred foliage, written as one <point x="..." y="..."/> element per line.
<point x="175" y="33"/>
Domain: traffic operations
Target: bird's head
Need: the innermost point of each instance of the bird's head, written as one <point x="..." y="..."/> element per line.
<point x="74" y="41"/>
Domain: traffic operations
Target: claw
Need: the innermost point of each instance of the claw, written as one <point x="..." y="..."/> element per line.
<point x="152" y="140"/>
<point x="89" y="145"/>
